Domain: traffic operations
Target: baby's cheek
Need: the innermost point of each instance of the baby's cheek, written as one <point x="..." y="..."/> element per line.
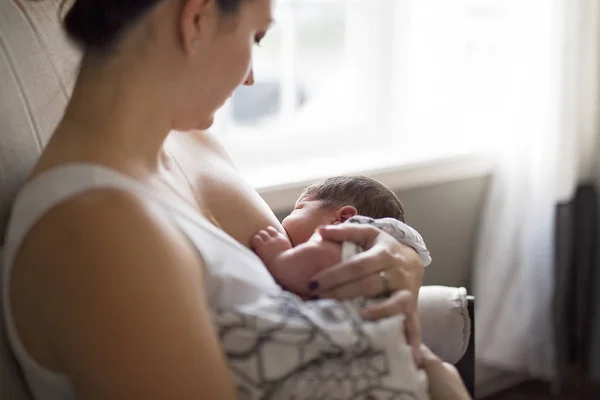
<point x="293" y="230"/>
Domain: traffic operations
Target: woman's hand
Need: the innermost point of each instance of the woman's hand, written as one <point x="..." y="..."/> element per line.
<point x="444" y="381"/>
<point x="362" y="276"/>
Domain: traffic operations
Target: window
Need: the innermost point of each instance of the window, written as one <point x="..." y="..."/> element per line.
<point x="458" y="56"/>
<point x="309" y="95"/>
<point x="346" y="85"/>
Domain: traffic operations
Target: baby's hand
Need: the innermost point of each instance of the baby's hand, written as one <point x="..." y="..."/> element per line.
<point x="268" y="244"/>
<point x="291" y="267"/>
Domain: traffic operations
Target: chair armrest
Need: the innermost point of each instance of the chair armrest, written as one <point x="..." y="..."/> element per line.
<point x="445" y="322"/>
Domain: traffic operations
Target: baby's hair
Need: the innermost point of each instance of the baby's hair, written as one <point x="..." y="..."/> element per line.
<point x="370" y="197"/>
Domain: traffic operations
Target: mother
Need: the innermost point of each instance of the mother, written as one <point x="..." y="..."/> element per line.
<point x="111" y="292"/>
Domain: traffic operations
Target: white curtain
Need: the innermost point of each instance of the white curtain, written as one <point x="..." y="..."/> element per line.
<point x="550" y="147"/>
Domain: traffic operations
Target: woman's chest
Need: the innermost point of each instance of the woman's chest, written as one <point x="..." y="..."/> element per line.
<point x="224" y="196"/>
<point x="236" y="207"/>
<point x="233" y="274"/>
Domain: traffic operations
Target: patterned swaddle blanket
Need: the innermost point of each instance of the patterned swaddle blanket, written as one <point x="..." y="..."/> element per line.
<point x="283" y="348"/>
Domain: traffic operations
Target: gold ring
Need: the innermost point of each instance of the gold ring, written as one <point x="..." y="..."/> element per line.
<point x="385" y="281"/>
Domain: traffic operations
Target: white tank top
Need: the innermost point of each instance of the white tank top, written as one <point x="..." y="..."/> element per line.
<point x="235" y="275"/>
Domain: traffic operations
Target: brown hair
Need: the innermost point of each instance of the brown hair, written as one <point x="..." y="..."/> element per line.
<point x="370" y="197"/>
<point x="97" y="25"/>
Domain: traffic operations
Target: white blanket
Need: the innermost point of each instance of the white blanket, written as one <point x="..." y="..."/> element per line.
<point x="282" y="348"/>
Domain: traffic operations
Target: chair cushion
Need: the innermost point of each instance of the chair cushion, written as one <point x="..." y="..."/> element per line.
<point x="445" y="321"/>
<point x="37" y="70"/>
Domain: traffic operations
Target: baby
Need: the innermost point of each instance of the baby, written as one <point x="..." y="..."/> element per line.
<point x="322" y="350"/>
<point x="343" y="199"/>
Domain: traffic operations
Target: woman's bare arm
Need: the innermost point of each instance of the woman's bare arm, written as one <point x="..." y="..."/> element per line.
<point x="124" y="304"/>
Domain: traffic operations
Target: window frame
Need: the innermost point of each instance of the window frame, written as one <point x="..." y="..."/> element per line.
<point x="272" y="147"/>
<point x="388" y="128"/>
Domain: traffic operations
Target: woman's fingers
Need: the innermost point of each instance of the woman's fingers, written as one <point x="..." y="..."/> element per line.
<point x="412" y="327"/>
<point x="401" y="302"/>
<point x="357" y="268"/>
<point x="383" y="253"/>
<point x="398" y="303"/>
<point x="370" y="286"/>
<point x="445" y="382"/>
<point x="430" y="362"/>
<point x="363" y="235"/>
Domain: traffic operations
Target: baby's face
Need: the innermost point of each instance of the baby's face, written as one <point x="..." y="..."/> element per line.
<point x="307" y="216"/>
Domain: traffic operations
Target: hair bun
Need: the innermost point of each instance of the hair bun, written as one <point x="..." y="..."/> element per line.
<point x="91" y="23"/>
<point x="97" y="24"/>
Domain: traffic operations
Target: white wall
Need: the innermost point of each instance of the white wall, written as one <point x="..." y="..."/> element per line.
<point x="447" y="215"/>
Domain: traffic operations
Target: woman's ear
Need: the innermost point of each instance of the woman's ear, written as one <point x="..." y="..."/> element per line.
<point x="195" y="22"/>
<point x="345" y="213"/>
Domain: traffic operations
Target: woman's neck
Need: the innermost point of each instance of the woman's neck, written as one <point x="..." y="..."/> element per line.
<point x="123" y="107"/>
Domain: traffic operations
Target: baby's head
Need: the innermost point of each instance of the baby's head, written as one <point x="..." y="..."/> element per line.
<point x="337" y="199"/>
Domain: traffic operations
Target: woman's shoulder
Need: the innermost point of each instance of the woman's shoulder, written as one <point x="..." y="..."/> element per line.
<point x="87" y="249"/>
<point x="104" y="221"/>
<point x="121" y="278"/>
<point x="105" y="231"/>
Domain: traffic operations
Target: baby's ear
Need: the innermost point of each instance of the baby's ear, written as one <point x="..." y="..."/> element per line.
<point x="345" y="213"/>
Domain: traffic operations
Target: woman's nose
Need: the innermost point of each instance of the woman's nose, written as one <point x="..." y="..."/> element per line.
<point x="250" y="78"/>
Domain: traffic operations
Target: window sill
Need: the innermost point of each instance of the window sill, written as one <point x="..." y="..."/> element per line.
<point x="281" y="186"/>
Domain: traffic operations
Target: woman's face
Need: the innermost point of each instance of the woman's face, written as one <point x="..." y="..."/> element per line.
<point x="222" y="59"/>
